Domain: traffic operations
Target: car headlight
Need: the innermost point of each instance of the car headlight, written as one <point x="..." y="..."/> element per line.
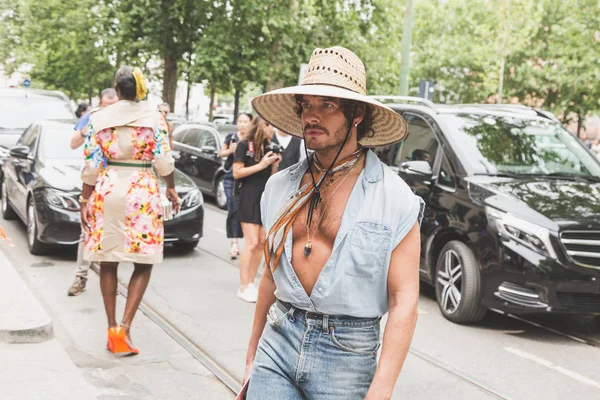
<point x="527" y="233"/>
<point x="191" y="199"/>
<point x="62" y="200"/>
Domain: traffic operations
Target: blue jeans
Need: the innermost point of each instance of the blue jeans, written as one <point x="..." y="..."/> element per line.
<point x="312" y="356"/>
<point x="234" y="229"/>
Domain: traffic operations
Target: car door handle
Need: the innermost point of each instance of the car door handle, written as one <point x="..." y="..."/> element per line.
<point x="194" y="157"/>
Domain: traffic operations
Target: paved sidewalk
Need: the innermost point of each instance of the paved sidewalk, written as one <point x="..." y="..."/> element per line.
<point x="33" y="365"/>
<point x="41" y="371"/>
<point x="22" y="318"/>
<point x="162" y="370"/>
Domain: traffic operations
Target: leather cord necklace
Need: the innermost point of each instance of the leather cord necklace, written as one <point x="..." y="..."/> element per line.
<point x="315" y="198"/>
<point x="350" y="167"/>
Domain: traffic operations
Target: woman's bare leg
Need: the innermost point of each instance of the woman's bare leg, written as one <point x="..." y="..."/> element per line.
<point x="251" y="245"/>
<point x="108" y="287"/>
<point x="257" y="254"/>
<point x="137" y="287"/>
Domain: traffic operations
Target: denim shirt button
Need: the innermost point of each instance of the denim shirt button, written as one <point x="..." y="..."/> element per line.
<point x="320" y="290"/>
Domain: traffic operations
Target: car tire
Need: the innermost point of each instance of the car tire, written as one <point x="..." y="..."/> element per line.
<point x="35" y="246"/>
<point x="185" y="247"/>
<point x="8" y="213"/>
<point x="220" y="196"/>
<point x="458" y="284"/>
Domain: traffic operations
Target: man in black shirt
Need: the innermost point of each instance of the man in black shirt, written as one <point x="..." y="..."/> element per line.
<point x="293" y="149"/>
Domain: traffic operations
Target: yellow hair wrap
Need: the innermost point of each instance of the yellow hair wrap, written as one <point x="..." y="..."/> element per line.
<point x="140" y="84"/>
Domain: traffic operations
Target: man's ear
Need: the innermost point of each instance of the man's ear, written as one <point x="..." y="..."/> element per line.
<point x="360" y="114"/>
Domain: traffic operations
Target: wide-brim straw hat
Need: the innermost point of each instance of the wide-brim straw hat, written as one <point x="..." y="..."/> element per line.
<point x="333" y="72"/>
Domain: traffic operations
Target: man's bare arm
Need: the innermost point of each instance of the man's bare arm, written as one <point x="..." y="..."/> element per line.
<point x="266" y="297"/>
<point x="78" y="138"/>
<point x="403" y="293"/>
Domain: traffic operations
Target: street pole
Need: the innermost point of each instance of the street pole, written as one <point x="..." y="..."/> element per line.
<point x="406" y="46"/>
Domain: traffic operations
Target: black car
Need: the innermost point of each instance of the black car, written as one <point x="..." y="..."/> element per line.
<point x="20" y="107"/>
<point x="512" y="218"/>
<point x="42" y="184"/>
<point x="198" y="149"/>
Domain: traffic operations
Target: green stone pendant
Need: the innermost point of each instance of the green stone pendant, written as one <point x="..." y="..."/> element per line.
<point x="307" y="249"/>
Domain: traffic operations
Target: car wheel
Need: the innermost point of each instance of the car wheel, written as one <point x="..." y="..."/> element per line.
<point x="458" y="284"/>
<point x="185" y="247"/>
<point x="7" y="211"/>
<point x="220" y="195"/>
<point x="35" y="246"/>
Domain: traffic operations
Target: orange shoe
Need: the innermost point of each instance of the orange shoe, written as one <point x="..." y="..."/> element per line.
<point x="117" y="341"/>
<point x="109" y="341"/>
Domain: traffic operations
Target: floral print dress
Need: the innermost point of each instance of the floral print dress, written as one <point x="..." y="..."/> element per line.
<point x="124" y="210"/>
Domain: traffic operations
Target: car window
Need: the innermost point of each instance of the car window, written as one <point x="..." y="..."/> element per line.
<point x="55" y="144"/>
<point x="446" y="176"/>
<point x="208" y="139"/>
<point x="517" y="144"/>
<point x="19" y="112"/>
<point x="420" y="144"/>
<point x="29" y="137"/>
<point x="179" y="135"/>
<point x="192" y="138"/>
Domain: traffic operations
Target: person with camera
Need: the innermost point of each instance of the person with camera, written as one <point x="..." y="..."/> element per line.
<point x="253" y="164"/>
<point x="292" y="149"/>
<point x="234" y="230"/>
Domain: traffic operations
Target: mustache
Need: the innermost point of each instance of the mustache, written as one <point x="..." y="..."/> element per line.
<point x="314" y="126"/>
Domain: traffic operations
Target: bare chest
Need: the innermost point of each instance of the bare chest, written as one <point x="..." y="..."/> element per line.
<point x="320" y="232"/>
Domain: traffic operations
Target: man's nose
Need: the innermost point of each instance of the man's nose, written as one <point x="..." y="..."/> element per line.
<point x="311" y="116"/>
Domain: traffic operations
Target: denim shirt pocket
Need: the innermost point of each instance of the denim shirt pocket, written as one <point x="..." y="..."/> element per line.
<point x="368" y="249"/>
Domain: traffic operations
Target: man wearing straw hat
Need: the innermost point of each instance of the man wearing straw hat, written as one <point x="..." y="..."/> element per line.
<point x="342" y="247"/>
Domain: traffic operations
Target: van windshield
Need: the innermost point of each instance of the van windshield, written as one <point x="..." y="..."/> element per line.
<point x="20" y="112"/>
<point x="492" y="144"/>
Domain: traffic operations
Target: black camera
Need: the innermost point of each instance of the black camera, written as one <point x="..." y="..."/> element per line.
<point x="274" y="147"/>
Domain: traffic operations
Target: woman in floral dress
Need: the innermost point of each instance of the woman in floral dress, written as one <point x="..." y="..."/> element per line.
<point x="120" y="200"/>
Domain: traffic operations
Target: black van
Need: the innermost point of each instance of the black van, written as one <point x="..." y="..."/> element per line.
<point x="512" y="221"/>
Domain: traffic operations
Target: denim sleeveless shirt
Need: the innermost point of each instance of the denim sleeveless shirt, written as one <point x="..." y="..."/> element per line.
<point x="380" y="212"/>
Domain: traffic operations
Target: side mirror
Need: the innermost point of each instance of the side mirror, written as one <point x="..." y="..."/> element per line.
<point x="208" y="149"/>
<point x="21" y="152"/>
<point x="176" y="154"/>
<point x="417" y="168"/>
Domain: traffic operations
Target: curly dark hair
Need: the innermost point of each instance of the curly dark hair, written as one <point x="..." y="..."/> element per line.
<point x="364" y="129"/>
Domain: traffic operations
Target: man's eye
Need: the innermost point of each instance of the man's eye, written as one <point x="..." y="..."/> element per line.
<point x="327" y="105"/>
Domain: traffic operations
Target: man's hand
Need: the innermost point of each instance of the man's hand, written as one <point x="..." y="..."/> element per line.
<point x="371" y="395"/>
<point x="247" y="371"/>
<point x="403" y="298"/>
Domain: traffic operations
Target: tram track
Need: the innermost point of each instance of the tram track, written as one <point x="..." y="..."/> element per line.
<point x="233" y="382"/>
<point x="575" y="338"/>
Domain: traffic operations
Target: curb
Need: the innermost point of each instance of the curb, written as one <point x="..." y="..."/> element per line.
<point x="22" y="317"/>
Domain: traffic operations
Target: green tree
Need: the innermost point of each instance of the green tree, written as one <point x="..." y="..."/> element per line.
<point x="560" y="69"/>
<point x="11" y="32"/>
<point x="63" y="40"/>
<point x="168" y="29"/>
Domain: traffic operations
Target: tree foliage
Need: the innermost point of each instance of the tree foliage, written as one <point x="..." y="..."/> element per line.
<point x="541" y="52"/>
<point x="551" y="49"/>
